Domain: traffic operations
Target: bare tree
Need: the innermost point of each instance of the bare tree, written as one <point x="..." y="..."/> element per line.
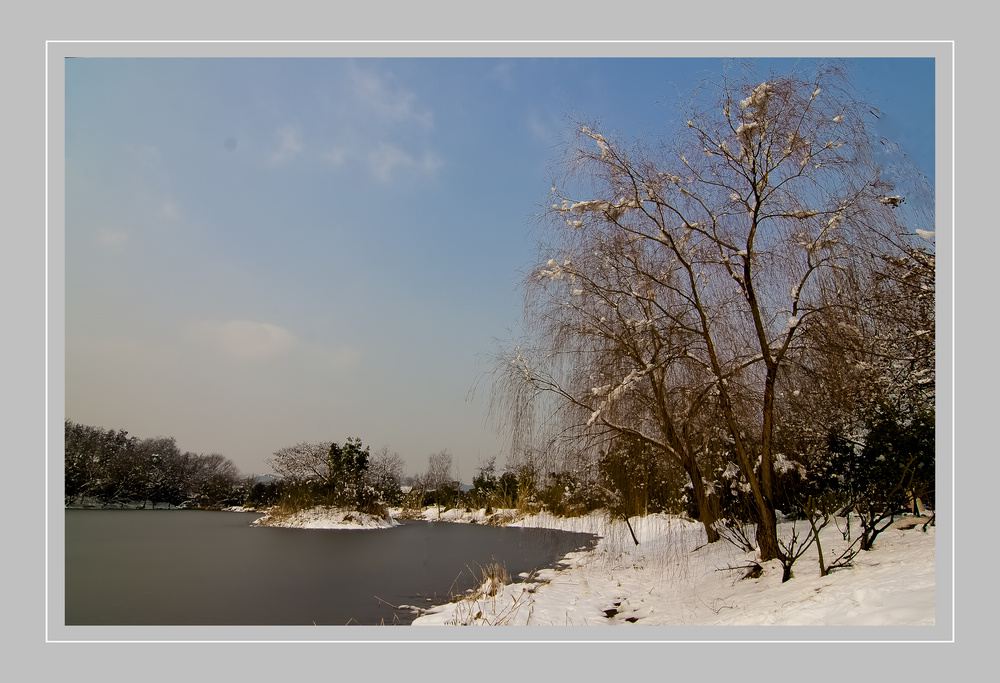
<point x="211" y="478"/>
<point x="385" y="474"/>
<point x="682" y="276"/>
<point x="439" y="477"/>
<point x="90" y="453"/>
<point x="303" y="461"/>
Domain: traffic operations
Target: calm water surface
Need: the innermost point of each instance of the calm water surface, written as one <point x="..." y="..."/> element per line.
<point x="187" y="567"/>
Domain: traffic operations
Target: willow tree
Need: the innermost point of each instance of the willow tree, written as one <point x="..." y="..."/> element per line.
<point x="681" y="274"/>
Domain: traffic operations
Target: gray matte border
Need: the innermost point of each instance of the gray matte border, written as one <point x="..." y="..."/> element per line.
<point x="57" y="51"/>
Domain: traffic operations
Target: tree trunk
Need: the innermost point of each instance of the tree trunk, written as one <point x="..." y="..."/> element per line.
<point x="767" y="533"/>
<point x="710" y="531"/>
<point x="767" y="524"/>
<point x="629" y="525"/>
<point x="708" y="508"/>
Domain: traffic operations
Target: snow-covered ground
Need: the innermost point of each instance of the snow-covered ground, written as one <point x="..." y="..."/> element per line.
<point x="672" y="577"/>
<point x="323" y="518"/>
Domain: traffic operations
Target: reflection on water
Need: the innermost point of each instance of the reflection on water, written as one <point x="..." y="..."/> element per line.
<point x="186" y="567"/>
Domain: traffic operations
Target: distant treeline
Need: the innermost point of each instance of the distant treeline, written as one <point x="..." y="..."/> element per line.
<point x="112" y="469"/>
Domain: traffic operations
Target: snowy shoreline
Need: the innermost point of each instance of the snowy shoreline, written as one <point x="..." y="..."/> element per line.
<point x="320" y="517"/>
<point x="673" y="577"/>
<point x="323" y="517"/>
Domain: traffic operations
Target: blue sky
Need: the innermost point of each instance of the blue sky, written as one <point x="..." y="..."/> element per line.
<point x="266" y="251"/>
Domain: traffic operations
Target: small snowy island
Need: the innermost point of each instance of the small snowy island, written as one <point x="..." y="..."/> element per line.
<point x="322" y="517"/>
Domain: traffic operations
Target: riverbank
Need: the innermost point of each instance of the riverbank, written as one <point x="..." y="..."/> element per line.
<point x="324" y="517"/>
<point x="672" y="577"/>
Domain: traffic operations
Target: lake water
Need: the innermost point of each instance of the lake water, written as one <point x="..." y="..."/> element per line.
<point x="187" y="567"/>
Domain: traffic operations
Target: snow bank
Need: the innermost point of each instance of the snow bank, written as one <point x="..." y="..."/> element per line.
<point x="322" y="517"/>
<point x="673" y="577"/>
<point x="497" y="517"/>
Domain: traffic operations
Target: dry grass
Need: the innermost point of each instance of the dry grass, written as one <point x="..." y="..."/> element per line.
<point x="493" y="602"/>
<point x="503" y="518"/>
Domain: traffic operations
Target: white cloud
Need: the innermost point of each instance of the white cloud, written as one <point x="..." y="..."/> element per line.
<point x="336" y="156"/>
<point x="503" y="73"/>
<point x="376" y="122"/>
<point x="289" y="145"/>
<point x="387" y="102"/>
<point x="387" y="159"/>
<point x="245" y="340"/>
<point x="545" y="128"/>
<point x="254" y="341"/>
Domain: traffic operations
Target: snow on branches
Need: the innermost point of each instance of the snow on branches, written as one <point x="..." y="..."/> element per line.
<point x="754" y="124"/>
<point x="555" y="271"/>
